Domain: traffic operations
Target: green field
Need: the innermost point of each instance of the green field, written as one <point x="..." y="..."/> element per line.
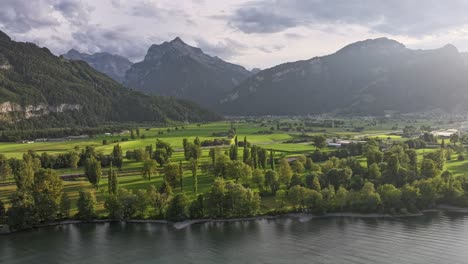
<point x="130" y="177"/>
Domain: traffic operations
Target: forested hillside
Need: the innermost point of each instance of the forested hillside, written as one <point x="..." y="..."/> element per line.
<point x="39" y="90"/>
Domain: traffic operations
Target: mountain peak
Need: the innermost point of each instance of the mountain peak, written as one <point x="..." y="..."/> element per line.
<point x="178" y="40"/>
<point x="73" y="52"/>
<point x="450" y="47"/>
<point x="4" y="36"/>
<point x="381" y="45"/>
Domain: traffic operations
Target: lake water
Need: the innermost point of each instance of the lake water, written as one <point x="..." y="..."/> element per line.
<point x="434" y="238"/>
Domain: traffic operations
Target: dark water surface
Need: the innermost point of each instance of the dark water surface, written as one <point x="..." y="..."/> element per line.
<point x="435" y="238"/>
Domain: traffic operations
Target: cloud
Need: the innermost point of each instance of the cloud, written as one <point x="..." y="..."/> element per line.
<point x="271" y="49"/>
<point x="151" y="9"/>
<point x="20" y="16"/>
<point x="118" y="40"/>
<point x="74" y="11"/>
<point x="397" y="17"/>
<point x="225" y="49"/>
<point x="259" y="20"/>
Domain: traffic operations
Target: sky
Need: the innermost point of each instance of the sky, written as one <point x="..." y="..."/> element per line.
<point x="252" y="33"/>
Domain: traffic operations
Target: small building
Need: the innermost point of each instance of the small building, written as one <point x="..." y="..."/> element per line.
<point x="445" y="133"/>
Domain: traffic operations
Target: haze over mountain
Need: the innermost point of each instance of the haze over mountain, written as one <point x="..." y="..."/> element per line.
<point x="115" y="66"/>
<point x="366" y="77"/>
<point x="179" y="70"/>
<point x="38" y="89"/>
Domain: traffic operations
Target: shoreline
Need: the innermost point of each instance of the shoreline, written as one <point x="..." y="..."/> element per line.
<point x="301" y="217"/>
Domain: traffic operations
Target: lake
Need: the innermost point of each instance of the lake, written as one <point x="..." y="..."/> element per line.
<point x="433" y="238"/>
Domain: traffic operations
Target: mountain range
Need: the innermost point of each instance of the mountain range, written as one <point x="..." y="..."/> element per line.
<point x="177" y="69"/>
<point x="39" y="89"/>
<point x="114" y="66"/>
<point x="369" y="77"/>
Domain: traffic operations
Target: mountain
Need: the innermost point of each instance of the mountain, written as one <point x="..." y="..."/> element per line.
<point x="114" y="66"/>
<point x="255" y="70"/>
<point x="38" y="90"/>
<point x="367" y="77"/>
<point x="182" y="71"/>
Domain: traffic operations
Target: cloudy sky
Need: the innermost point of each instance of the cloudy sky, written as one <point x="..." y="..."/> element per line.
<point x="253" y="33"/>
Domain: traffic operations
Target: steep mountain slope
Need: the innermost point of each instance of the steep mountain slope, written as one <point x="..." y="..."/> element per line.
<point x="367" y="77"/>
<point x="177" y="69"/>
<point x="38" y="89"/>
<point x="114" y="66"/>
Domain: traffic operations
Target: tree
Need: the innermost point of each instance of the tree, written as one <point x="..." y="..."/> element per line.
<point x="5" y="171"/>
<point x="172" y="174"/>
<point x="112" y="181"/>
<point x="272" y="159"/>
<point x="233" y="152"/>
<point x="181" y="176"/>
<point x="281" y="198"/>
<point x="176" y="211"/>
<point x="297" y="196"/>
<point x="254" y="156"/>
<point x="341" y="198"/>
<point x="86" y="205"/>
<point x="117" y="156"/>
<point x="391" y="197"/>
<point x="374" y="172"/>
<point x="129" y="202"/>
<point x="237" y="170"/>
<point x="262" y="157"/>
<point x="24" y="175"/>
<point x="74" y="160"/>
<point x="314" y="200"/>
<point x="21" y="214"/>
<point x="158" y="200"/>
<point x="438" y="157"/>
<point x="214" y="199"/>
<point x="47" y="192"/>
<point x="320" y="141"/>
<point x="193" y="168"/>
<point x="149" y="169"/>
<point x="368" y="199"/>
<point x="2" y="211"/>
<point x="271" y="180"/>
<point x="308" y="164"/>
<point x="214" y="153"/>
<point x="141" y="203"/>
<point x="163" y="152"/>
<point x="297" y="167"/>
<point x="409" y="197"/>
<point x="192" y="150"/>
<point x="196" y="209"/>
<point x="429" y="169"/>
<point x="65" y="205"/>
<point x="284" y="172"/>
<point x="258" y="178"/>
<point x="413" y="160"/>
<point x="246" y="153"/>
<point x="221" y="163"/>
<point x="93" y="171"/>
<point x="339" y="177"/>
<point x="373" y="155"/>
<point x="113" y="206"/>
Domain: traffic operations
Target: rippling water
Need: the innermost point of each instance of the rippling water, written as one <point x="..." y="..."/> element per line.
<point x="435" y="238"/>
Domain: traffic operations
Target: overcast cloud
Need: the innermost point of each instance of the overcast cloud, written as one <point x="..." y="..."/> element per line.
<point x="259" y="33"/>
